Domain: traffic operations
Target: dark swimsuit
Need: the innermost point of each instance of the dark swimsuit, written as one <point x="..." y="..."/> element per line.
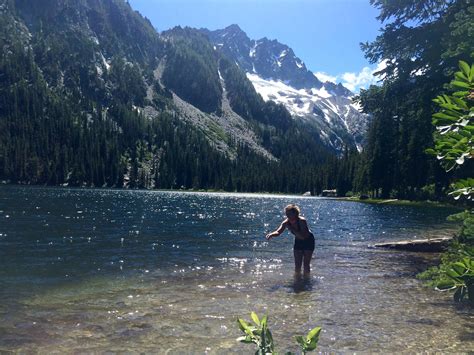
<point x="303" y="244"/>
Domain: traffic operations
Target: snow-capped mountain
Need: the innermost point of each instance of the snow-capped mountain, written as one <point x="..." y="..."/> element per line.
<point x="267" y="58"/>
<point x="279" y="75"/>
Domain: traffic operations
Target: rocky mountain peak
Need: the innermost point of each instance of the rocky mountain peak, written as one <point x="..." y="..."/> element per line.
<point x="337" y="89"/>
<point x="268" y="58"/>
<point x="280" y="76"/>
<point x="235" y="30"/>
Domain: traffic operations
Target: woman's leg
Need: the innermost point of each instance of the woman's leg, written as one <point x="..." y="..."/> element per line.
<point x="298" y="254"/>
<point x="308" y="254"/>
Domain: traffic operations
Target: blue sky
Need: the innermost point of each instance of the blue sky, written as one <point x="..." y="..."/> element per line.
<point x="325" y="34"/>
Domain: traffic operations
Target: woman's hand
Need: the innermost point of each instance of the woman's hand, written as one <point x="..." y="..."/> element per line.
<point x="277" y="232"/>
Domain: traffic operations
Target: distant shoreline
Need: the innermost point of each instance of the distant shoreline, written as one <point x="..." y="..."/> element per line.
<point x="396" y="202"/>
<point x="210" y="191"/>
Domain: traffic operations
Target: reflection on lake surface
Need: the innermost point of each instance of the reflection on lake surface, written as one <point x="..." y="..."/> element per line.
<point x="147" y="271"/>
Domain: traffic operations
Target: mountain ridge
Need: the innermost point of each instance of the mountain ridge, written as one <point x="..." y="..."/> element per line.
<point x="261" y="59"/>
<point x="272" y="65"/>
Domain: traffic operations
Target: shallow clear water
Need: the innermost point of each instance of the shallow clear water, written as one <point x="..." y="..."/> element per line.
<point x="146" y="271"/>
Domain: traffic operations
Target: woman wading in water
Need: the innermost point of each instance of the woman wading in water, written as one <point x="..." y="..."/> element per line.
<point x="304" y="239"/>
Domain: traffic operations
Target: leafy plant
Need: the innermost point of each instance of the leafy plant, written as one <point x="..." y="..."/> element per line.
<point x="259" y="334"/>
<point x="454" y="142"/>
<point x="460" y="277"/>
<point x="463" y="188"/>
<point x="454" y="145"/>
<point x="466" y="235"/>
<point x="310" y="342"/>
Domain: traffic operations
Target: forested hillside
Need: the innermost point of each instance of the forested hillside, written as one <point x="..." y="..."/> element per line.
<point x="83" y="104"/>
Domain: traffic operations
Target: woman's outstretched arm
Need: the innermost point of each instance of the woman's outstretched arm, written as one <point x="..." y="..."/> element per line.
<point x="276" y="233"/>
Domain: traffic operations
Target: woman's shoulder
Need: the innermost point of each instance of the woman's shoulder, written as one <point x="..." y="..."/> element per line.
<point x="303" y="222"/>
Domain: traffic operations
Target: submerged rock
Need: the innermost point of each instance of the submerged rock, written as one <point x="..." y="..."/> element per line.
<point x="420" y="245"/>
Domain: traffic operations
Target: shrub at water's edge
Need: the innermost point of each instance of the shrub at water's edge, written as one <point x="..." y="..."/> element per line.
<point x="454" y="147"/>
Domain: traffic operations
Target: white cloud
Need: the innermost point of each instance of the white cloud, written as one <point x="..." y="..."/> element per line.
<point x="362" y="79"/>
<point x="355" y="81"/>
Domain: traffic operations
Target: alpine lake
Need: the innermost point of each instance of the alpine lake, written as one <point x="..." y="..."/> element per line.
<point x="103" y="270"/>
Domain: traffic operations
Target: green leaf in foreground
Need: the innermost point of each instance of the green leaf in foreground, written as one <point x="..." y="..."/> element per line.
<point x="262" y="337"/>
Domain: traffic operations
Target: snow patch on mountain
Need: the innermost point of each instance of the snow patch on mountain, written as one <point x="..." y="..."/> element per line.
<point x="298" y="101"/>
<point x="321" y="92"/>
<point x="252" y="51"/>
<point x="283" y="53"/>
<point x="338" y="113"/>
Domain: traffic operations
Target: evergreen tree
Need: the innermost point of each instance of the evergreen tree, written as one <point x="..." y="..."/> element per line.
<point x="421" y="43"/>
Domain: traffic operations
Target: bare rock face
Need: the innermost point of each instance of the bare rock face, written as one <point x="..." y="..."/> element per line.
<point x="432" y="245"/>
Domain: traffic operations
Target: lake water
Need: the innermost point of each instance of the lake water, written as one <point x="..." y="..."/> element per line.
<point x="90" y="270"/>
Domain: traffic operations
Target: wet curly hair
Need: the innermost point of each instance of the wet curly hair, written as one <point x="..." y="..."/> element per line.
<point x="293" y="209"/>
